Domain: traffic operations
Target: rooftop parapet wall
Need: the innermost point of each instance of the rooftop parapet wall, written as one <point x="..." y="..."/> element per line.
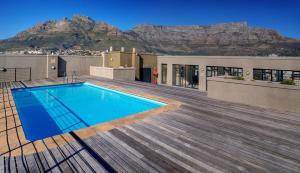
<point x="79" y="64"/>
<point x="255" y="93"/>
<point x="113" y="73"/>
<point x="44" y="66"/>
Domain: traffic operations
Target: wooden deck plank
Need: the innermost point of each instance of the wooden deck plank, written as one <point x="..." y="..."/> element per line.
<point x="99" y="150"/>
<point x="203" y="135"/>
<point x="129" y="152"/>
<point x="82" y="157"/>
<point x="176" y="156"/>
<point x="32" y="164"/>
<point x="61" y="161"/>
<point x="53" y="165"/>
<point x="195" y="150"/>
<point x="129" y="158"/>
<point x="119" y="157"/>
<point x="213" y="136"/>
<point x="2" y="167"/>
<point x="248" y="135"/>
<point x="174" y="145"/>
<point x="149" y="153"/>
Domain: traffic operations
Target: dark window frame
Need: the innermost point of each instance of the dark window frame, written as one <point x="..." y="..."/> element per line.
<point x="212" y="71"/>
<point x="276" y="74"/>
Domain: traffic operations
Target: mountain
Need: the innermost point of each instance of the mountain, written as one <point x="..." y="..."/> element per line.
<point x="82" y="32"/>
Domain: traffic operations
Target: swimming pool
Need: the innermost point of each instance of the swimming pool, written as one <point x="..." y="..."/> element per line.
<point x="51" y="110"/>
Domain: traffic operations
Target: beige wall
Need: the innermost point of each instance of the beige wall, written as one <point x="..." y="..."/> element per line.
<point x="113" y="73"/>
<point x="38" y="64"/>
<point x="80" y="64"/>
<point x="247" y="63"/>
<point x="51" y="72"/>
<point x="149" y="60"/>
<point x="116" y="59"/>
<point x="256" y="93"/>
<point x="112" y="59"/>
<point x="126" y="59"/>
<point x="102" y="72"/>
<point x="41" y="65"/>
<point x="124" y="74"/>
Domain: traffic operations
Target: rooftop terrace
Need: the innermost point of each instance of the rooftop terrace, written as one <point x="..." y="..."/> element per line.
<point x="202" y="135"/>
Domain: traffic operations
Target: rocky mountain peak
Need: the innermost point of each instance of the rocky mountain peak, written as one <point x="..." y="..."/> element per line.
<point x="79" y="18"/>
<point x="82" y="32"/>
<point x="82" y="22"/>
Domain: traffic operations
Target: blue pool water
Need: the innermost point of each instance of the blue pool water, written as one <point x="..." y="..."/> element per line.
<point x="52" y="110"/>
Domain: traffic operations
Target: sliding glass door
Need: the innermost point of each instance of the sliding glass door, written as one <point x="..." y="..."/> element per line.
<point x="179" y="75"/>
<point x="186" y="75"/>
<point x="164" y="72"/>
<point x="192" y="76"/>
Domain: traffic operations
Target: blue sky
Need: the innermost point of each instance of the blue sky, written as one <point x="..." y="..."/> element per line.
<point x="284" y="16"/>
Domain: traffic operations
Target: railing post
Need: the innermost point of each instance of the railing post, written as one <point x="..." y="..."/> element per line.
<point x="15" y="74"/>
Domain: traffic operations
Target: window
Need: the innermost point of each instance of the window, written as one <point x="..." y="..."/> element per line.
<point x="296" y="77"/>
<point x="257" y="74"/>
<point x="223" y="71"/>
<point x="287" y="74"/>
<point x="262" y="74"/>
<point x="178" y="75"/>
<point x="234" y="71"/>
<point x="214" y="71"/>
<point x="186" y="75"/>
<point x="164" y="73"/>
<point x="209" y="71"/>
<point x="275" y="75"/>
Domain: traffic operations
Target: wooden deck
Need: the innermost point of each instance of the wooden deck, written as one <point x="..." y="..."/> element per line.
<point x="203" y="135"/>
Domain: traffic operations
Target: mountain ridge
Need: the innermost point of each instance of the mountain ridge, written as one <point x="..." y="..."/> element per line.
<point x="82" y="32"/>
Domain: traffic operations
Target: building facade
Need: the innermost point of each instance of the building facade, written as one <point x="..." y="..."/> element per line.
<point x="271" y="82"/>
<point x="193" y="71"/>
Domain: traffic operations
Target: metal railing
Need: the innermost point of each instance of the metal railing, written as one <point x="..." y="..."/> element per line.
<point x="73" y="79"/>
<point x="15" y="74"/>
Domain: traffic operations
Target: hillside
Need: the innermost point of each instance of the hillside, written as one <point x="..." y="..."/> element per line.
<point x="82" y="32"/>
